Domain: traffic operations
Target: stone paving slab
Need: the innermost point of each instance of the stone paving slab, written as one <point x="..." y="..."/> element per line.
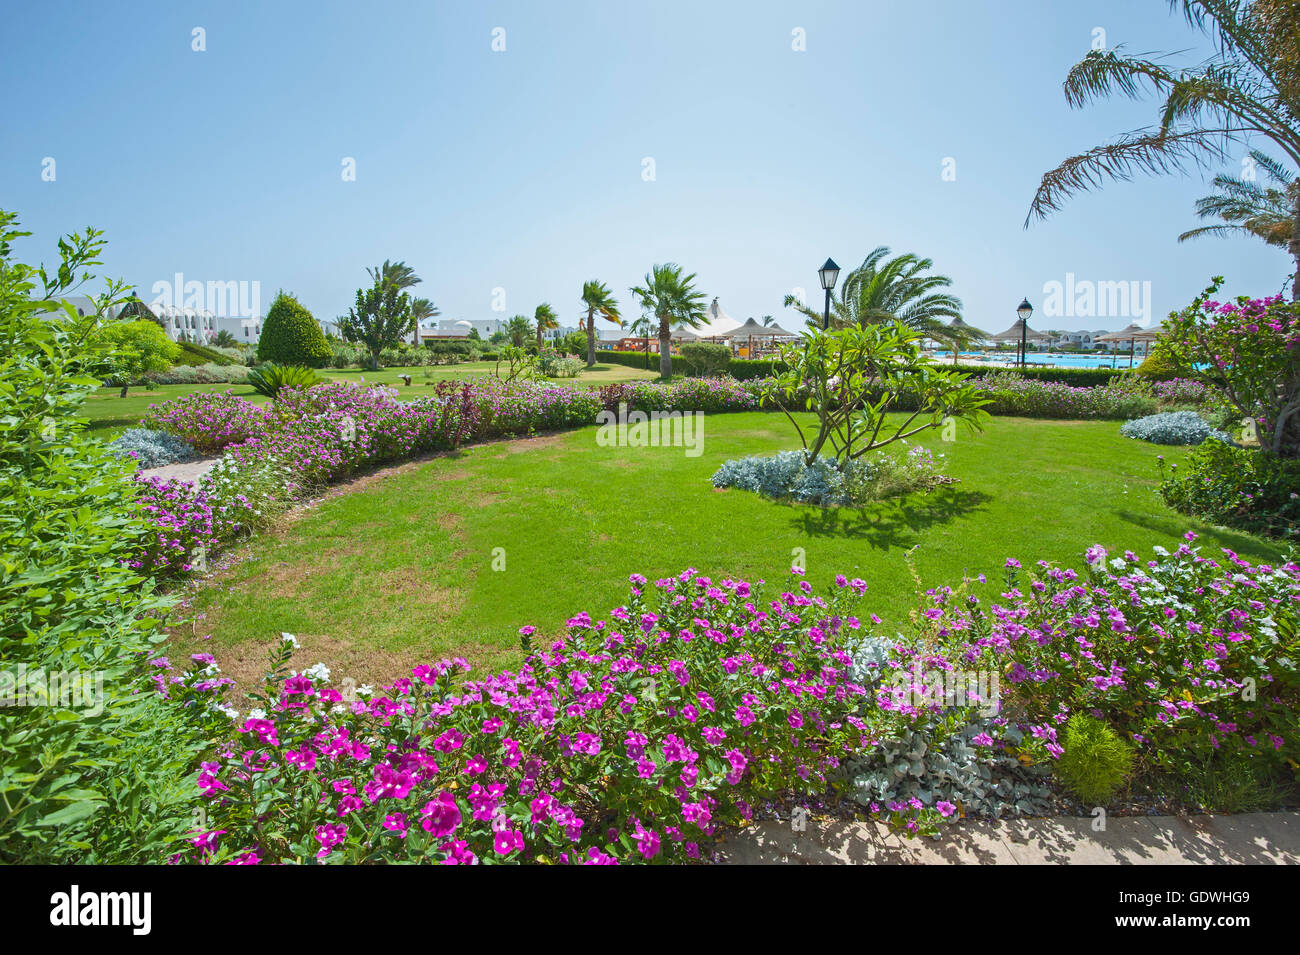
<point x="1256" y="838"/>
<point x="188" y="471"/>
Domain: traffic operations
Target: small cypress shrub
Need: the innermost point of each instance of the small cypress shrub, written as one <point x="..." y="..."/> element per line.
<point x="291" y="336"/>
<point x="1096" y="762"/>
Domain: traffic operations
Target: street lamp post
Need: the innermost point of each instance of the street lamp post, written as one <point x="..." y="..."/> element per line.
<point x="1024" y="310"/>
<point x="828" y="273"/>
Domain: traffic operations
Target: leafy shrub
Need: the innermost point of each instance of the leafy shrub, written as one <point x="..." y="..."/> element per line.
<point x="1182" y="391"/>
<point x="1247" y="488"/>
<point x="1172" y="427"/>
<point x="152" y="449"/>
<point x="133" y="348"/>
<point x="291" y="336"/>
<point x="786" y="476"/>
<point x="1096" y="762"/>
<point x="554" y="365"/>
<point x="705" y="359"/>
<point x="268" y="379"/>
<point x="92" y="772"/>
<point x="631" y="739"/>
<point x="1159" y="365"/>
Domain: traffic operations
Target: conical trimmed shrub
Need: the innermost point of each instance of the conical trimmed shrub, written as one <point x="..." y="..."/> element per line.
<point x="291" y="336"/>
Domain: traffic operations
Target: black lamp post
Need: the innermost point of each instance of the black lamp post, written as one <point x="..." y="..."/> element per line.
<point x="828" y="273"/>
<point x="1024" y="310"/>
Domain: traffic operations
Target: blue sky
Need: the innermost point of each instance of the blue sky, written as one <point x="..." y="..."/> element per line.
<point x="523" y="169"/>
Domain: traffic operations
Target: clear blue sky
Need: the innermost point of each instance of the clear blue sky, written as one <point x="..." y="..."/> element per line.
<point x="522" y="169"/>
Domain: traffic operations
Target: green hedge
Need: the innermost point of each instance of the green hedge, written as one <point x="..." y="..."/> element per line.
<point x="632" y="359"/>
<point x="195" y="355"/>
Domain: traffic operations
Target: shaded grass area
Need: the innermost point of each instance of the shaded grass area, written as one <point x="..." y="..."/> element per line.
<point x="108" y="415"/>
<point x="402" y="571"/>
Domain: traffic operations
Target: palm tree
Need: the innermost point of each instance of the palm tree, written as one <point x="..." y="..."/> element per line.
<point x="422" y="309"/>
<point x="1249" y="87"/>
<point x="882" y="290"/>
<point x="769" y="320"/>
<point x="599" y="300"/>
<point x="1244" y="205"/>
<point x="401" y="276"/>
<point x="545" y="319"/>
<point x="519" y="329"/>
<point x="225" y="339"/>
<point x="672" y="298"/>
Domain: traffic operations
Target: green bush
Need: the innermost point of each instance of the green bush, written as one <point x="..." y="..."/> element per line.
<point x="132" y="348"/>
<point x="1096" y="762"/>
<point x="99" y="773"/>
<point x="268" y="379"/>
<point x="1247" y="488"/>
<point x="628" y="359"/>
<point x="291" y="336"/>
<point x="1160" y="366"/>
<point x="705" y="359"/>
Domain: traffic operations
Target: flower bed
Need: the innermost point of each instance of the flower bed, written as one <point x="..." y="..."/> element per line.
<point x="628" y="739"/>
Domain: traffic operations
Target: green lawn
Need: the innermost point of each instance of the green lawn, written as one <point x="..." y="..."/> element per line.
<point x="400" y="571"/>
<point x="109" y="415"/>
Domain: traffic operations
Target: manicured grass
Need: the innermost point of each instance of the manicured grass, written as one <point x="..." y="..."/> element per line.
<point x="401" y="572"/>
<point x="108" y="415"/>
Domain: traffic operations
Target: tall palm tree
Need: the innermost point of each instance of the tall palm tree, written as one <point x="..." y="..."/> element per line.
<point x="1249" y="87"/>
<point x="1243" y="205"/>
<point x="421" y="310"/>
<point x="671" y="297"/>
<point x="599" y="300"/>
<point x="883" y="290"/>
<point x="401" y="276"/>
<point x="545" y="319"/>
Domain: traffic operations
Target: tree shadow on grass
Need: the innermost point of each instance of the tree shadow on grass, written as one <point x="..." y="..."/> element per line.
<point x="892" y="523"/>
<point x="1211" y="538"/>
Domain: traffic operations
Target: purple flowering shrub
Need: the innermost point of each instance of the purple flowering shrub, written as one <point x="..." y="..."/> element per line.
<point x="710" y="395"/>
<point x="1181" y="391"/>
<point x="208" y="420"/>
<point x="629" y="739"/>
<point x="1184" y="655"/>
<point x="1011" y="394"/>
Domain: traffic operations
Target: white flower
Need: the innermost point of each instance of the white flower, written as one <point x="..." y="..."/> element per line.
<point x="289" y="638"/>
<point x="319" y="672"/>
<point x="257" y="714"/>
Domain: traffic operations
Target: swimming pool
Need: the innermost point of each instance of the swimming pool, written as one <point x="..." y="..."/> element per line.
<point x="1056" y="360"/>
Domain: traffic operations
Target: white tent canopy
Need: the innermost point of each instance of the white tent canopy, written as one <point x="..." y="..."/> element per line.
<point x="716" y="322"/>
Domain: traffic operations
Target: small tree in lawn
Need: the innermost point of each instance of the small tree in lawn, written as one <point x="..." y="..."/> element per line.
<point x="670" y="296"/>
<point x="380" y="318"/>
<point x="133" y="348"/>
<point x="851" y="378"/>
<point x="597" y="299"/>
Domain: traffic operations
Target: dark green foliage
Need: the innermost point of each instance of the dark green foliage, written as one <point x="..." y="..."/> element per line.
<point x="1247" y="488"/>
<point x="1096" y="762"/>
<point x="291" y="336"/>
<point x="705" y="359"/>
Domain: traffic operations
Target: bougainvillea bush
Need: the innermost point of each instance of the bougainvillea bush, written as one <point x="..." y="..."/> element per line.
<point x="1250" y="351"/>
<point x="632" y="739"/>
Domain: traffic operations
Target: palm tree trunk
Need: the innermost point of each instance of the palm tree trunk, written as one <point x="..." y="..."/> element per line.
<point x="591" y="339"/>
<point x="1294" y="246"/>
<point x="665" y="349"/>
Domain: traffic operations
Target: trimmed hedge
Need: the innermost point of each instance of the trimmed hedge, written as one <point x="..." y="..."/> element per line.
<point x="630" y="359"/>
<point x="291" y="336"/>
<point x="194" y="354"/>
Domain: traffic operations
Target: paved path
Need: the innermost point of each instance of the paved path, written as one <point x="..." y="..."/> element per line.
<point x="189" y="471"/>
<point x="1270" y="838"/>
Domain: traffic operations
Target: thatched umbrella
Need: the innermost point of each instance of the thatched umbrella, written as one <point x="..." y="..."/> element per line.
<point x="752" y="329"/>
<point x="1020" y="332"/>
<point x="1134" y="333"/>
